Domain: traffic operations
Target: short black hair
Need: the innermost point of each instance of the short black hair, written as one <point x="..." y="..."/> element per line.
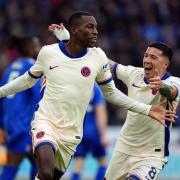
<point x="74" y="18"/>
<point x="166" y="50"/>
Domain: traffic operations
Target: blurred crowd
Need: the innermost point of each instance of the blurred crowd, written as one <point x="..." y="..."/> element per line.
<point x="125" y="27"/>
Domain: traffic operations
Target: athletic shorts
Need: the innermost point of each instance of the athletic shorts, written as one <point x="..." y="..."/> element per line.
<point x="43" y="133"/>
<point x="122" y="166"/>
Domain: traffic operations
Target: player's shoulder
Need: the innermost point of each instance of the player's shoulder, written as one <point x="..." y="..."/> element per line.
<point x="174" y="80"/>
<point x="99" y="52"/>
<point x="132" y="69"/>
<point x="49" y="48"/>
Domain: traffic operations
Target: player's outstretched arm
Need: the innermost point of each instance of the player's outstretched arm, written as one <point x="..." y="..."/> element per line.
<point x="17" y="85"/>
<point x="116" y="97"/>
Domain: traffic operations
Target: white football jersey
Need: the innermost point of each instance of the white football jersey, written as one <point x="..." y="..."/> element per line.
<point x="141" y="135"/>
<point x="69" y="86"/>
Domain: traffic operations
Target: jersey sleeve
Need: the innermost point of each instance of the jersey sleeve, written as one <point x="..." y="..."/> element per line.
<point x="123" y="73"/>
<point x="36" y="71"/>
<point x="104" y="75"/>
<point x="116" y="97"/>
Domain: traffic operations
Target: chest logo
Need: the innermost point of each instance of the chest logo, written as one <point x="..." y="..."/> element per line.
<point x="85" y="71"/>
<point x="52" y="67"/>
<point x="40" y="134"/>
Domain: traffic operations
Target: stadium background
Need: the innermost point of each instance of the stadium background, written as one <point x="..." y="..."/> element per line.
<point x="125" y="28"/>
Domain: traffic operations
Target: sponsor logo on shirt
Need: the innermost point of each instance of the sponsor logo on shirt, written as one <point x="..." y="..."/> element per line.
<point x="85" y="71"/>
<point x="106" y="67"/>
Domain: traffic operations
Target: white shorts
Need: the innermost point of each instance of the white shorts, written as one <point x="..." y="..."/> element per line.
<point x="44" y="133"/>
<point x="122" y="166"/>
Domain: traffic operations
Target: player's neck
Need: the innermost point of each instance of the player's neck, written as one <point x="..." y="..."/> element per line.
<point x="73" y="48"/>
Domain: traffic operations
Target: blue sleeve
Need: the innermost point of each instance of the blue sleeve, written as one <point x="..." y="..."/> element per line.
<point x="98" y="96"/>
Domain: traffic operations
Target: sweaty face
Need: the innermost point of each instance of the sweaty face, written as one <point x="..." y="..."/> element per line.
<point x="154" y="59"/>
<point x="86" y="31"/>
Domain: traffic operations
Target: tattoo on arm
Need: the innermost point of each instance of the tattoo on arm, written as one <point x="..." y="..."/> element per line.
<point x="111" y="63"/>
<point x="166" y="90"/>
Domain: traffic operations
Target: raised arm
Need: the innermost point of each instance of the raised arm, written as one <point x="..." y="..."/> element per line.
<point x="169" y="91"/>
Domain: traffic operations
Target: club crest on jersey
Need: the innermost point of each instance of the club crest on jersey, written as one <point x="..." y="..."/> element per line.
<point x="40" y="134"/>
<point x="106" y="67"/>
<point x="85" y="71"/>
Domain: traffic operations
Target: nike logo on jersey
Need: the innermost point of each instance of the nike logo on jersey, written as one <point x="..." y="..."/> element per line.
<point x="52" y="67"/>
<point x="134" y="85"/>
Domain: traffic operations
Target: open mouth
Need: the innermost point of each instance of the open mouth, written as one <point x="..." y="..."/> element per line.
<point x="148" y="68"/>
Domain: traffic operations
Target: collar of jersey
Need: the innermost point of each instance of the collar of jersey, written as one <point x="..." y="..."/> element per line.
<point x="79" y="55"/>
<point x="166" y="75"/>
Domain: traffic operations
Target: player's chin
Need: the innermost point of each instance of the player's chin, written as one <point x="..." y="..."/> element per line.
<point x="92" y="44"/>
<point x="148" y="75"/>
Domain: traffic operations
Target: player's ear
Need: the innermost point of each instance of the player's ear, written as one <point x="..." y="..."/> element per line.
<point x="167" y="64"/>
<point x="73" y="29"/>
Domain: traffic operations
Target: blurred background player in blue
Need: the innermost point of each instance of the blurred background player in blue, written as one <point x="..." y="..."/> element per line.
<point x="18" y="110"/>
<point x="94" y="136"/>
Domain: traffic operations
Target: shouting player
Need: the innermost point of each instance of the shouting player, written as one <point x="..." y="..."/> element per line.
<point x="142" y="148"/>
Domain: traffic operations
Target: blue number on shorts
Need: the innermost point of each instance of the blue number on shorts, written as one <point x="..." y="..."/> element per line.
<point x="152" y="172"/>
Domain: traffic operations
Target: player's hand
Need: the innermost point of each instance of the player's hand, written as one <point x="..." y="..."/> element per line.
<point x="160" y="114"/>
<point x="2" y="137"/>
<point x="52" y="27"/>
<point x="155" y="82"/>
<point x="59" y="31"/>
